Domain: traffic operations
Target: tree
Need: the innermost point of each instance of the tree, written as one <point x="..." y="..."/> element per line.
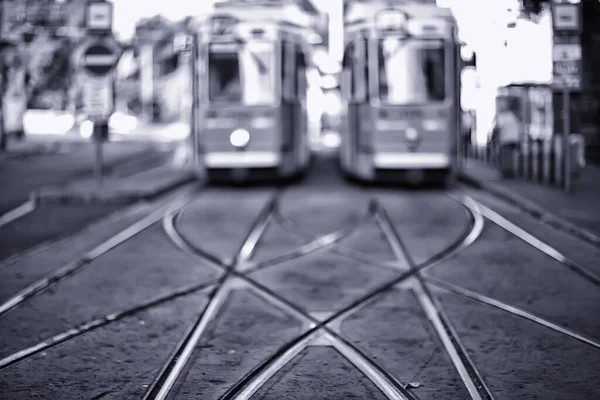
<point x="533" y="8"/>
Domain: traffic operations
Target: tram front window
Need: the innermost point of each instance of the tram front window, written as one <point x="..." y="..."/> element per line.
<point x="242" y="74"/>
<point x="411" y="71"/>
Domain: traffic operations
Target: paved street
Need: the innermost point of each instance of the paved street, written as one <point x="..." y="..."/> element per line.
<point x="319" y="290"/>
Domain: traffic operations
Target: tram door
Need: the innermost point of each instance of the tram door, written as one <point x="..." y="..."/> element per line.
<point x="294" y="122"/>
<point x="355" y="97"/>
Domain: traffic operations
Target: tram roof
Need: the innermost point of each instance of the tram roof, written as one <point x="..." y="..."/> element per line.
<point x="285" y="22"/>
<point x="363" y="11"/>
<point x="285" y="12"/>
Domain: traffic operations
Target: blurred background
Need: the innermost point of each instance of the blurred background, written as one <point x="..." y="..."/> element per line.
<point x="511" y="40"/>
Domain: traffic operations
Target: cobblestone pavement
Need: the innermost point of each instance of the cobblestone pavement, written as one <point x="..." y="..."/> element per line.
<point x="319" y="290"/>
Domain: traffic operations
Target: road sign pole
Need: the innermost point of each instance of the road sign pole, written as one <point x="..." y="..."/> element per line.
<point x="99" y="164"/>
<point x="194" y="131"/>
<point x="99" y="57"/>
<point x="566" y="133"/>
<point x="3" y="78"/>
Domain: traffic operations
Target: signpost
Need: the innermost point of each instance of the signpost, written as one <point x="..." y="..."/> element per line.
<point x="567" y="70"/>
<point x="566" y="58"/>
<point x="99" y="57"/>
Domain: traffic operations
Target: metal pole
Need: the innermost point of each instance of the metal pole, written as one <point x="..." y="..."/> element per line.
<point x="194" y="125"/>
<point x="147" y="81"/>
<point x="566" y="133"/>
<point x="3" y="82"/>
<point x="98" y="167"/>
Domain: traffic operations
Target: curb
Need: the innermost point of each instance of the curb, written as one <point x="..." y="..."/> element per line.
<point x="532" y="209"/>
<point x="91" y="198"/>
<point x="26" y="153"/>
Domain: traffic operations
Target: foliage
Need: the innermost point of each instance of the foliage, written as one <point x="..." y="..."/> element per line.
<point x="533" y="8"/>
<point x="49" y="68"/>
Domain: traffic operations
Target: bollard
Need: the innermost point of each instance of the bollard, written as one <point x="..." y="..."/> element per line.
<point x="515" y="156"/>
<point x="535" y="161"/>
<point x="100" y="135"/>
<point x="566" y="145"/>
<point x="577" y="155"/>
<point x="546" y="161"/>
<point x="525" y="156"/>
<point x="557" y="161"/>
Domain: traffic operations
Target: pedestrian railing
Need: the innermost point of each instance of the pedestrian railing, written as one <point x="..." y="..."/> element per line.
<point x="543" y="161"/>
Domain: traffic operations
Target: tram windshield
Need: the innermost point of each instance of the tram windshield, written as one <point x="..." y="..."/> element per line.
<point x="411" y="71"/>
<point x="242" y="73"/>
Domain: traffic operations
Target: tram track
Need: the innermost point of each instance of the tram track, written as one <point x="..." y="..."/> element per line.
<point x="537" y="244"/>
<point x="293" y="228"/>
<point x="530" y="209"/>
<point x="432" y="308"/>
<point x="101" y="322"/>
<point x="40" y="286"/>
<point x="171" y="371"/>
<point x="480" y="298"/>
<point x="531" y="240"/>
<point x="319" y="329"/>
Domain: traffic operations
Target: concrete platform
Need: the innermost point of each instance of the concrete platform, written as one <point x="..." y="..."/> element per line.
<point x="577" y="212"/>
<point x="143" y="186"/>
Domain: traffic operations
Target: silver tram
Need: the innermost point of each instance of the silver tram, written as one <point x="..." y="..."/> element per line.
<point x="252" y="108"/>
<point x="401" y="85"/>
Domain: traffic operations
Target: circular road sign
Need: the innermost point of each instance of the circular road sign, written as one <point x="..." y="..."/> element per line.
<point x="99" y="58"/>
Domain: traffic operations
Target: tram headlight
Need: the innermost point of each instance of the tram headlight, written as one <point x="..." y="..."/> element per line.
<point x="412" y="137"/>
<point x="239" y="138"/>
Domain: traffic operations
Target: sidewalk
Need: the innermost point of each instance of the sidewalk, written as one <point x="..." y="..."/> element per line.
<point x="146" y="185"/>
<point x="577" y="211"/>
<point x="28" y="148"/>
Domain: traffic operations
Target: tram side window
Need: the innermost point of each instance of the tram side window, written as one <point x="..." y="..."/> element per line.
<point x="300" y="84"/>
<point x="224" y="77"/>
<point x="243" y="73"/>
<point x="411" y="71"/>
<point x="348" y="63"/>
<point x="362" y="66"/>
<point x="288" y="69"/>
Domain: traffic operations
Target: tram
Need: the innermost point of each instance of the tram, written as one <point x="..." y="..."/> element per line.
<point x="401" y="90"/>
<point x="252" y="100"/>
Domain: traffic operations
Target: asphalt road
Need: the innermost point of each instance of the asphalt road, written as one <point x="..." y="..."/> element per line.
<point x="325" y="290"/>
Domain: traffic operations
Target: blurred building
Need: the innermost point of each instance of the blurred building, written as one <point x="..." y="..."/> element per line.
<point x="59" y="17"/>
<point x="157" y="80"/>
<point x="48" y="32"/>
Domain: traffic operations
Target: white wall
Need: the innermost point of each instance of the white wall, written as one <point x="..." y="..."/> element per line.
<point x="526" y="58"/>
